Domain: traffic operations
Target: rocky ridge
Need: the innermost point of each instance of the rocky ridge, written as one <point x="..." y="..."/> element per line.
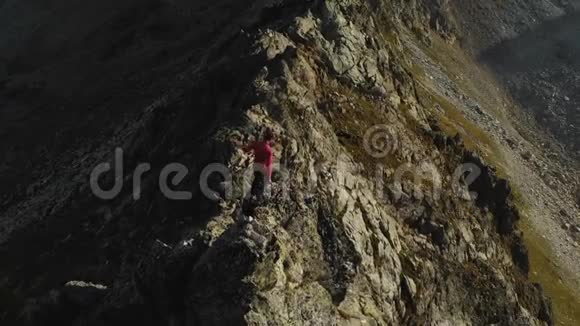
<point x="333" y="246"/>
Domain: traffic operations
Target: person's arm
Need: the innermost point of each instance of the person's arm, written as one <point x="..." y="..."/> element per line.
<point x="249" y="148"/>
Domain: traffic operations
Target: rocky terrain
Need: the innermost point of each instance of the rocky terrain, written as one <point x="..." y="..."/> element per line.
<point x="541" y="69"/>
<point x="362" y="228"/>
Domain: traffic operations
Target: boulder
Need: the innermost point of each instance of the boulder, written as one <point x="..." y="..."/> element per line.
<point x="527" y="155"/>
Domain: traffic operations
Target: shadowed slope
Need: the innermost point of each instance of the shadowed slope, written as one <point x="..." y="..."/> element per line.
<point x="542" y="70"/>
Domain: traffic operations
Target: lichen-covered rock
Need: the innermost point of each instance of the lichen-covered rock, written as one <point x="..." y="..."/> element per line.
<point x="357" y="231"/>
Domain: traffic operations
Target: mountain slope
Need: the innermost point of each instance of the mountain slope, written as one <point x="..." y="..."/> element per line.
<point x="360" y="230"/>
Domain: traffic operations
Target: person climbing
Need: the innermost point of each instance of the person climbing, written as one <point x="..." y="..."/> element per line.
<point x="263" y="159"/>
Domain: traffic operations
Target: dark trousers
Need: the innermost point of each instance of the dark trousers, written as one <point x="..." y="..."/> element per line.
<point x="257" y="196"/>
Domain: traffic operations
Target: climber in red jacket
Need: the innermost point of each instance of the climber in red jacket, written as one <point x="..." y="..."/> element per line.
<point x="263" y="159"/>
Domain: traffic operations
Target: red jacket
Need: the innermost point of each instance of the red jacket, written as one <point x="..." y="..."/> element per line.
<point x="263" y="155"/>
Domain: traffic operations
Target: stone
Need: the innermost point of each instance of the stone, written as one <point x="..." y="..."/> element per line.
<point x="83" y="293"/>
<point x="439" y="237"/>
<point x="408" y="287"/>
<point x="520" y="255"/>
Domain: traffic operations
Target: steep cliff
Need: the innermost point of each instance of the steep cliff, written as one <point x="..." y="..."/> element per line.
<point x="374" y="219"/>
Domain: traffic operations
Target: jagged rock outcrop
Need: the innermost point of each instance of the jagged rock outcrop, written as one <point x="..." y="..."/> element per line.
<point x="379" y="233"/>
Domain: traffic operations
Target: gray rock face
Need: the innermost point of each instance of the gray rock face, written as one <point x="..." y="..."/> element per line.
<point x="358" y="231"/>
